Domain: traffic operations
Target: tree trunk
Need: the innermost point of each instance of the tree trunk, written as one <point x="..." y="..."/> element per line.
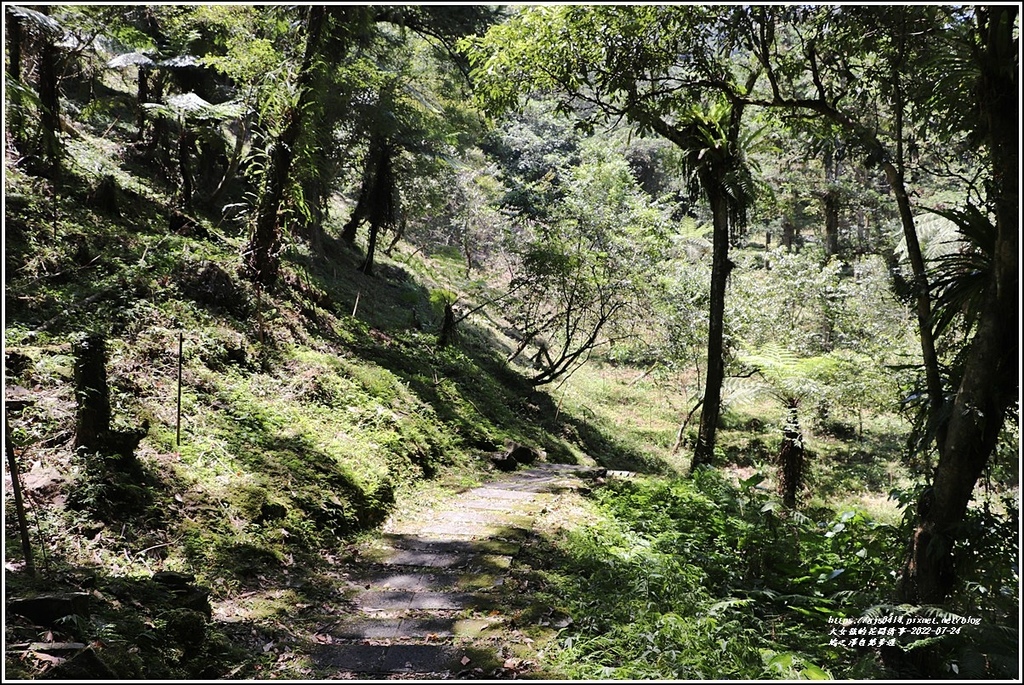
<point x="90" y="374"/>
<point x="49" y="99"/>
<point x="831" y="200"/>
<point x="360" y="211"/>
<point x="348" y="231"/>
<point x="704" y="450"/>
<point x="989" y="384"/>
<point x="262" y="258"/>
<point x="186" y="142"/>
<point x="371" y="248"/>
<point x="234" y="161"/>
<point x="830" y="205"/>
<point x="788" y="234"/>
<point x="381" y="207"/>
<point x="142" y="98"/>
<point x="19" y="504"/>
<point x="14" y="74"/>
<point x="447" y="335"/>
<point x="791" y="459"/>
<point x="315" y="193"/>
<point x="895" y="176"/>
<point x="13" y="46"/>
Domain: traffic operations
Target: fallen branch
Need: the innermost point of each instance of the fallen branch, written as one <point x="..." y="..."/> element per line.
<point x="163" y="544"/>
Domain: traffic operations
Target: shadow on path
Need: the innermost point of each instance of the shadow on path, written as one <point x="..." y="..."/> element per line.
<point x="426" y="600"/>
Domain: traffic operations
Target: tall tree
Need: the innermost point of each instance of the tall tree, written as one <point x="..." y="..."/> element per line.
<point x="49" y="99"/>
<point x="831" y="196"/>
<point x="44" y="31"/>
<point x="378" y="202"/>
<point x="667" y="70"/>
<point x="988" y="383"/>
<point x="412" y="119"/>
<point x="14" y="39"/>
<point x="261" y="258"/>
<point x="846" y="62"/>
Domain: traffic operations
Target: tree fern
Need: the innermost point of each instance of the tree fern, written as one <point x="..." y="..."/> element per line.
<point x="782" y="374"/>
<point x="936" y="232"/>
<point x="960" y="277"/>
<point x="785" y="375"/>
<point x="37" y="21"/>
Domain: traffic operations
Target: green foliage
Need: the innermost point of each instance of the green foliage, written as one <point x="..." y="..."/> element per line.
<point x="813" y="308"/>
<point x="787" y="377"/>
<point x="582" y="272"/>
<point x="961" y="273"/>
<point x="706" y="579"/>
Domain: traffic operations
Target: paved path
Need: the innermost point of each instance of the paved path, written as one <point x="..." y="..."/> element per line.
<point x="425" y="601"/>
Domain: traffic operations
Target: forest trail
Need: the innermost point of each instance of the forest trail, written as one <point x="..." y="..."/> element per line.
<point x="429" y="598"/>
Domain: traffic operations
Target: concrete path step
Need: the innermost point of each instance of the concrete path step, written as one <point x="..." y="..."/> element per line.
<point x="484" y="517"/>
<point x="426" y="594"/>
<point x="496" y="491"/>
<point x="401" y="600"/>
<point x="381" y="659"/>
<point x="427" y="559"/>
<point x="474" y="530"/>
<point x="363" y="628"/>
<point x="502" y="504"/>
<point x="421" y="582"/>
<point x="451" y="546"/>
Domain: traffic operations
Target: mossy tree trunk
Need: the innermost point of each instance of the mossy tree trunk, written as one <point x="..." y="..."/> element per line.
<point x="142" y="98"/>
<point x="262" y="258"/>
<point x="49" y="99"/>
<point x="186" y="145"/>
<point x="14" y="37"/>
<point x="447" y="335"/>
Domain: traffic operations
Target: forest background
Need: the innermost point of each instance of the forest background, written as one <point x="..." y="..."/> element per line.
<point x="766" y="256"/>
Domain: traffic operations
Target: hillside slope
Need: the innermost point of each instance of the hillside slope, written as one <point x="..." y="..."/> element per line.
<point x="307" y="412"/>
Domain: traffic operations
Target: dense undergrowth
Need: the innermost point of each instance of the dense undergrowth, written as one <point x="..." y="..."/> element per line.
<point x="708" y="579"/>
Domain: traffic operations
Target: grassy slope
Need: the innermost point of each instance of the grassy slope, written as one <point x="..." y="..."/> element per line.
<point x="305" y="416"/>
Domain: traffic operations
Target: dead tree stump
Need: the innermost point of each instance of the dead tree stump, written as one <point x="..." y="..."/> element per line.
<point x="104" y="196"/>
<point x="447" y="334"/>
<point x="93" y="418"/>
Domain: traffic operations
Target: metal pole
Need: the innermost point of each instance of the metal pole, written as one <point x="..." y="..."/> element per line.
<point x="181" y="337"/>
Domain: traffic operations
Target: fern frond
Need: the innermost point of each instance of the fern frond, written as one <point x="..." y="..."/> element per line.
<point x="960" y="277"/>
<point x="37" y="21"/>
<point x="937" y="234"/>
